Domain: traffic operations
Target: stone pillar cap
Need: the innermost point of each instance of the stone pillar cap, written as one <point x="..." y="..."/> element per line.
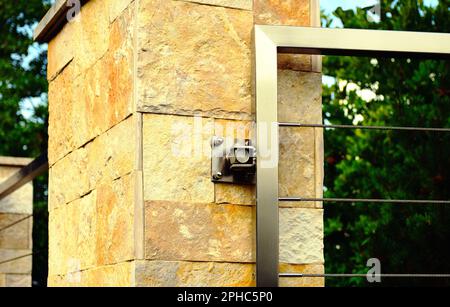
<point x="53" y="21"/>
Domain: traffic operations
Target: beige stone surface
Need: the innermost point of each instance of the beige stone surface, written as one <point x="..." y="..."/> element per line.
<point x="19" y="202"/>
<point x="193" y="274"/>
<point x="91" y="41"/>
<point x="296" y="175"/>
<point x="112" y="154"/>
<point x="302" y="281"/>
<point x="117" y="7"/>
<point x="227" y="193"/>
<point x="299" y="97"/>
<point x="72" y="236"/>
<point x="301" y="149"/>
<point x="19" y="266"/>
<point x="100" y="228"/>
<point x="18" y="280"/>
<point x="217" y="274"/>
<point x="61" y="96"/>
<point x="16" y="236"/>
<point x="2" y="280"/>
<point x="106" y="158"/>
<point x="106" y="89"/>
<point x="198" y="232"/>
<point x="117" y="275"/>
<point x="84" y="106"/>
<point x="81" y="41"/>
<point x="177" y="158"/>
<point x="61" y="50"/>
<point x="7" y="170"/>
<point x="194" y="59"/>
<point x="301" y="236"/>
<point x="115" y="221"/>
<point x="237" y="4"/>
<point x="296" y="62"/>
<point x="72" y="173"/>
<point x="282" y="12"/>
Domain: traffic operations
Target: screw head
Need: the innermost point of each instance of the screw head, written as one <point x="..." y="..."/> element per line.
<point x="218" y="175"/>
<point x="218" y="141"/>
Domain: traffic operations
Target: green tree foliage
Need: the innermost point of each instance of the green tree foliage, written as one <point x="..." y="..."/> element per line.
<point x="389" y="164"/>
<point x="23" y="109"/>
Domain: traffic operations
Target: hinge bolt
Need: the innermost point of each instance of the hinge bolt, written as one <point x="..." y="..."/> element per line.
<point x="218" y="176"/>
<point x="217" y="141"/>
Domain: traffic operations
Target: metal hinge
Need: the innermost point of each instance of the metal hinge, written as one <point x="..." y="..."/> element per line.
<point x="233" y="161"/>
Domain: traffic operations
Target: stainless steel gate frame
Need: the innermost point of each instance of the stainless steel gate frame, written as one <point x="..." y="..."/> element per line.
<point x="268" y="41"/>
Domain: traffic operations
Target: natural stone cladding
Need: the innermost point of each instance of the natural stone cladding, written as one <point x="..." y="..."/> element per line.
<point x="137" y="90"/>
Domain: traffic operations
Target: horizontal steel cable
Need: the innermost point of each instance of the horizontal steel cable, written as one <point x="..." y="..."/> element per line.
<point x="421" y="129"/>
<point x="365" y="200"/>
<point x="16" y="222"/>
<point x="291" y="275"/>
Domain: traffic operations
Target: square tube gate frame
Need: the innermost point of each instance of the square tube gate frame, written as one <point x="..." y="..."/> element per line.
<point x="268" y="41"/>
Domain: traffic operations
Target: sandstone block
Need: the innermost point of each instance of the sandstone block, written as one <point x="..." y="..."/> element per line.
<point x="282" y="12"/>
<point x="16" y="236"/>
<point x="19" y="202"/>
<point x="112" y="154"/>
<point x="194" y="59"/>
<point x="91" y="40"/>
<point x="115" y="221"/>
<point x="84" y="106"/>
<point x="100" y="228"/>
<point x="18" y="280"/>
<point x="61" y="51"/>
<point x="117" y="7"/>
<point x="61" y="95"/>
<point x="296" y="62"/>
<point x="75" y="180"/>
<point x="301" y="149"/>
<point x="177" y="158"/>
<point x="296" y="174"/>
<point x="216" y="274"/>
<point x="193" y="274"/>
<point x="299" y="97"/>
<point x="106" y="88"/>
<point x="237" y="4"/>
<point x="72" y="236"/>
<point x="108" y="157"/>
<point x="2" y="280"/>
<point x="198" y="232"/>
<point x="301" y="236"/>
<point x="19" y="266"/>
<point x="117" y="275"/>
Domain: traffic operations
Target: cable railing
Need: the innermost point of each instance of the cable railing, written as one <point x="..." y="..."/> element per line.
<point x="393" y="128"/>
<point x="15" y="182"/>
<point x="271" y="40"/>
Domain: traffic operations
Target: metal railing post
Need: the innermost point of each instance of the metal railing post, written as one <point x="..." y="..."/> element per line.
<point x="267" y="224"/>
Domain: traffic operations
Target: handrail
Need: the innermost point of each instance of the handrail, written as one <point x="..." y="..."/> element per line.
<point x="270" y="40"/>
<point x="24" y="175"/>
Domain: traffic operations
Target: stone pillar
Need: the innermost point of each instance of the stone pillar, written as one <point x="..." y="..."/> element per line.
<point x="137" y="90"/>
<point x="16" y="225"/>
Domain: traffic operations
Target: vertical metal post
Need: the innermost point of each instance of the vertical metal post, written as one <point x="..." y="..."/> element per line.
<point x="267" y="224"/>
